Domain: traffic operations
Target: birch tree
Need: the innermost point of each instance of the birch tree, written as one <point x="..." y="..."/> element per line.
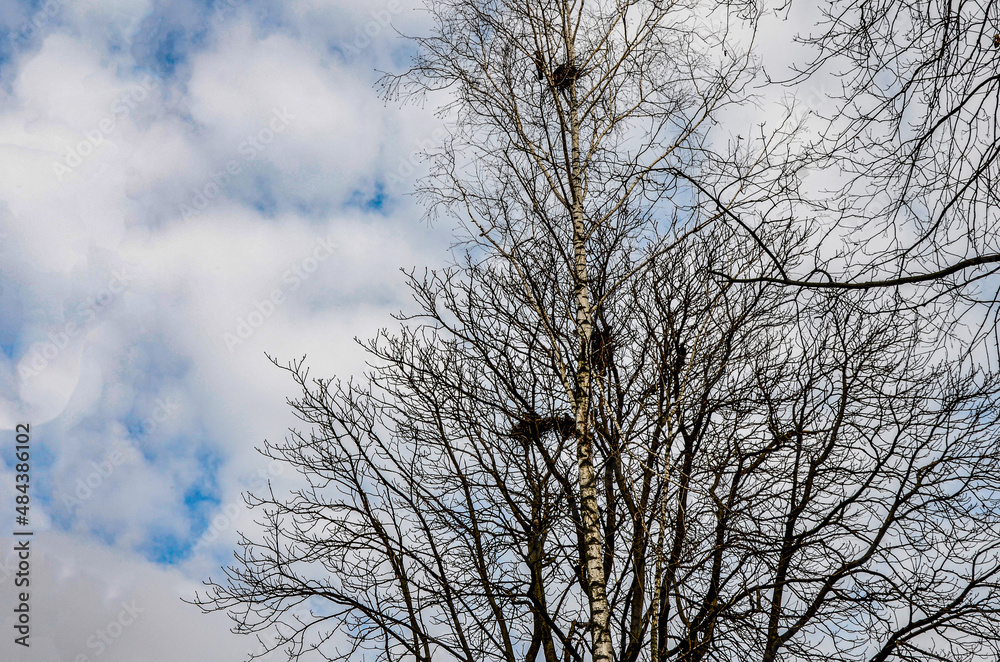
<point x="617" y="428"/>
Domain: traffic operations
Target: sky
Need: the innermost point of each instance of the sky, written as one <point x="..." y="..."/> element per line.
<point x="184" y="186"/>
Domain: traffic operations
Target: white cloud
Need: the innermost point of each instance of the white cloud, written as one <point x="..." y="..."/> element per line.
<point x="133" y="153"/>
<point x="243" y="88"/>
<point x="89" y="603"/>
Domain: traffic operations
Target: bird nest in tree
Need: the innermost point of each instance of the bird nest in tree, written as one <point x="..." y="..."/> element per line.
<point x="533" y="427"/>
<point x="601" y="348"/>
<point x="562" y="76"/>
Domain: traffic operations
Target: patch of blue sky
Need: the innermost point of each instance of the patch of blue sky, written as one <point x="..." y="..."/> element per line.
<point x="319" y="300"/>
<point x="172" y="33"/>
<point x="42" y="454"/>
<point x="154" y="376"/>
<point x="165" y="41"/>
<point x="7" y="38"/>
<point x="141" y="426"/>
<point x="35" y="19"/>
<point x="268" y="194"/>
<point x="201" y="500"/>
<point x="106" y="533"/>
<point x="149" y="365"/>
<point x="312" y="210"/>
<point x="268" y="16"/>
<point x="202" y="484"/>
<point x="373" y="199"/>
<point x="11" y="342"/>
<point x="264" y="200"/>
<point x="338" y="50"/>
<point x="402" y="55"/>
<point x="257" y="187"/>
<point x="166" y="547"/>
<point x="12" y="311"/>
<point x="168" y="51"/>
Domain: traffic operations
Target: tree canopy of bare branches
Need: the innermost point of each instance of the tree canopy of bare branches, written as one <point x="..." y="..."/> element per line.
<point x="627" y="424"/>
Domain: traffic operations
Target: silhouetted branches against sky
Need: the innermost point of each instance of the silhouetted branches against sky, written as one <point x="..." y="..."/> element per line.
<point x="911" y="106"/>
<point x="616" y="428"/>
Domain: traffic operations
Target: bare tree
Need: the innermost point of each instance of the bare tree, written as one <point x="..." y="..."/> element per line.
<point x="602" y="434"/>
<point x="911" y="125"/>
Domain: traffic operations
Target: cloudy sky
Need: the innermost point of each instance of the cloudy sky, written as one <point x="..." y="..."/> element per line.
<point x="184" y="186"/>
